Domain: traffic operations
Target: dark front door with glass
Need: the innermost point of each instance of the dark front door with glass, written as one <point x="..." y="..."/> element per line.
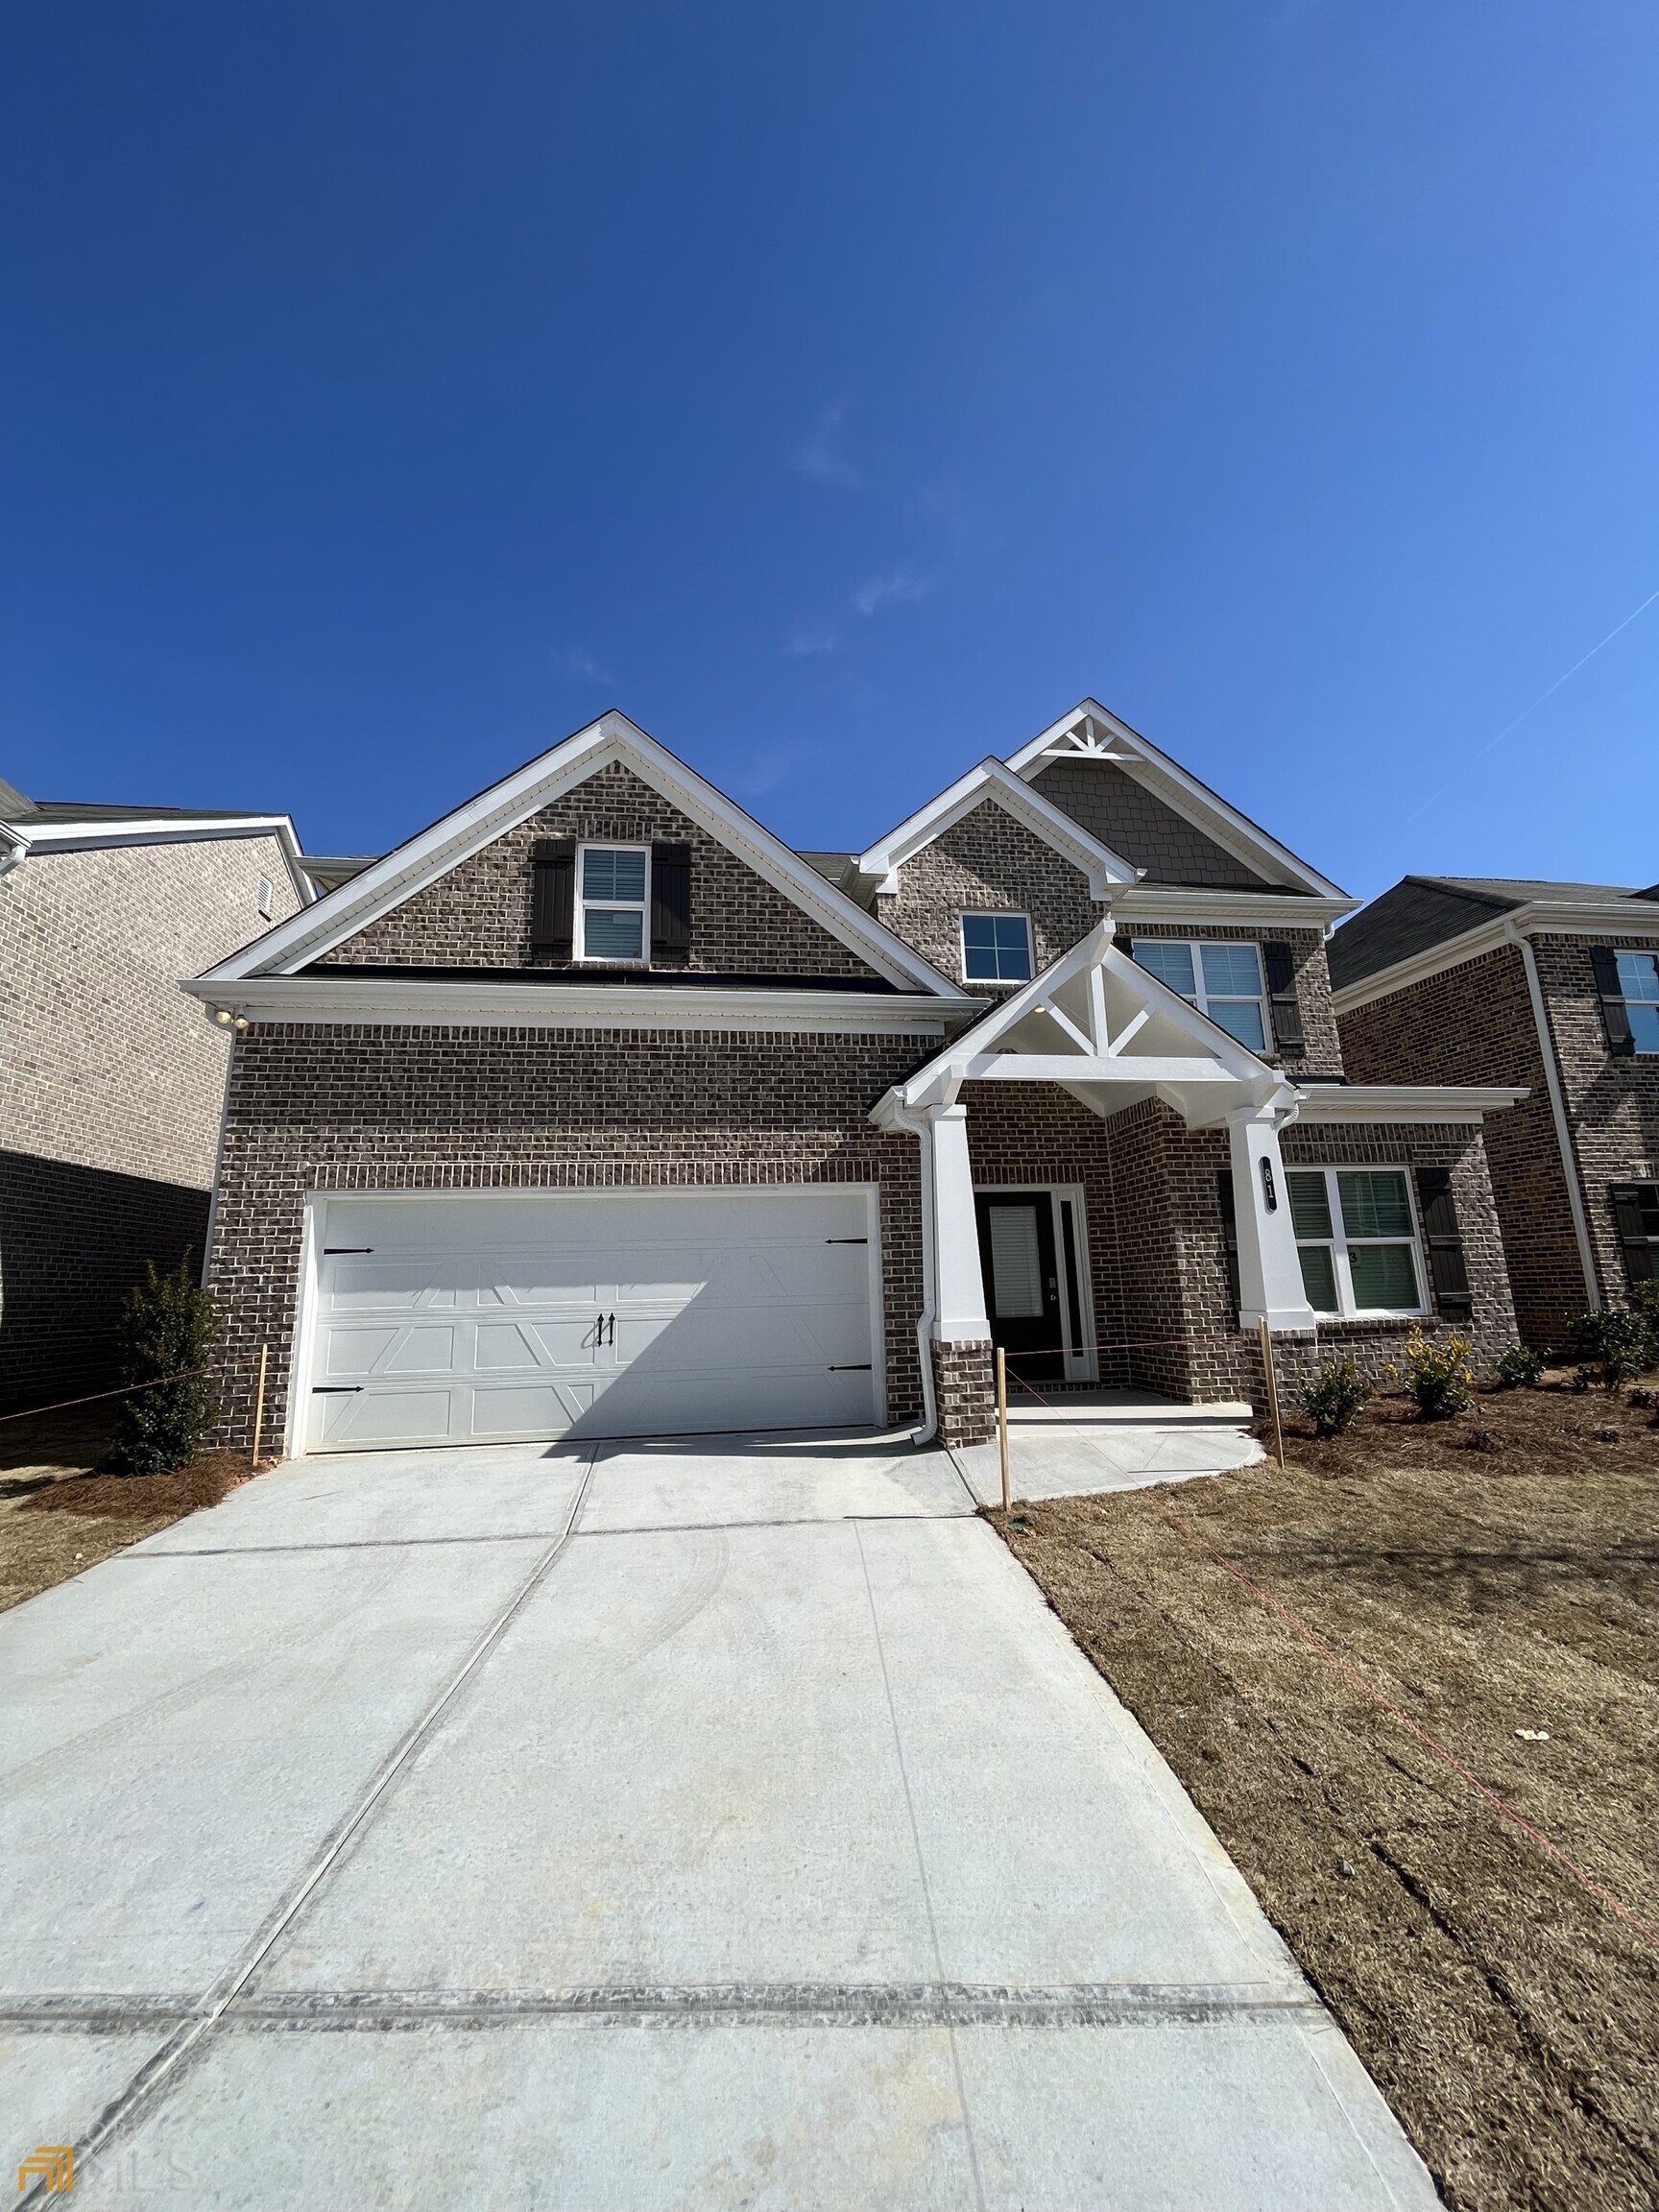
<point x="1022" y="1283"/>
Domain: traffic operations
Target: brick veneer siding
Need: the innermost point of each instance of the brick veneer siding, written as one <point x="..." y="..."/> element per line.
<point x="964" y="1391"/>
<point x="75" y="1241"/>
<point x="479" y="914"/>
<point x="1322" y="1046"/>
<point x="1123" y="815"/>
<point x="1472" y="1023"/>
<point x="988" y="862"/>
<point x="391" y="1108"/>
<point x="1612" y="1104"/>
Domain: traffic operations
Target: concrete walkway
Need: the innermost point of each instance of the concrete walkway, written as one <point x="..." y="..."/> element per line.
<point x="1075" y="1443"/>
<point x="714" y="1823"/>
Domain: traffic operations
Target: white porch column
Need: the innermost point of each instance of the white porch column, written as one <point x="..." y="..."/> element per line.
<point x="959" y="1287"/>
<point x="1269" y="1272"/>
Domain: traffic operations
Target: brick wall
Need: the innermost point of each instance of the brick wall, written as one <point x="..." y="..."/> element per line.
<point x="964" y="1392"/>
<point x="1472" y="1023"/>
<point x="389" y="1108"/>
<point x="988" y="862"/>
<point x="1142" y="828"/>
<point x="479" y="914"/>
<point x="107" y="1062"/>
<point x="75" y="1241"/>
<point x="1612" y="1104"/>
<point x="1322" y="1046"/>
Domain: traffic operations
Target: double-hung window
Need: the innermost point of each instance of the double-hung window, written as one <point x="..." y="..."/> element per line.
<point x="1639" y="982"/>
<point x="996" y="949"/>
<point x="612" y="902"/>
<point x="1222" y="980"/>
<point x="1357" y="1239"/>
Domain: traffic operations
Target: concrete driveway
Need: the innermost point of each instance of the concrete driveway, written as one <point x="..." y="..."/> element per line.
<point x="710" y="1823"/>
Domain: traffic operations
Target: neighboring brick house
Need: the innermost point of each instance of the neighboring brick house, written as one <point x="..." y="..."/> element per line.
<point x="111" y="1082"/>
<point x="595" y="1109"/>
<point x="1552" y="986"/>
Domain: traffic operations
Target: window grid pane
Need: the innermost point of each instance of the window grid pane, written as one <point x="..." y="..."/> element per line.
<point x="1231" y="971"/>
<point x="997" y="948"/>
<point x="1384" y="1277"/>
<point x="1643" y="1026"/>
<point x="1318" y="1277"/>
<point x="1375" y="1204"/>
<point x="1171" y="961"/>
<point x="611" y="933"/>
<point x="1639" y="978"/>
<point x="1240" y="1018"/>
<point x="1310" y="1202"/>
<point x="611" y="872"/>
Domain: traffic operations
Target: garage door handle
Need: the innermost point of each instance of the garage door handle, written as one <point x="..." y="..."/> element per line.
<point x="853" y="1367"/>
<point x="335" y="1390"/>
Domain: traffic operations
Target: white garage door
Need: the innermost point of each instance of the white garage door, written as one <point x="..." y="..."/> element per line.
<point x="462" y="1318"/>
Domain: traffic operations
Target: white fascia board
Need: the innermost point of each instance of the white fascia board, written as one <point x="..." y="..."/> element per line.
<point x="364" y="899"/>
<point x="992" y="780"/>
<point x="1277" y="909"/>
<point x="1405" y="1101"/>
<point x="1614" y="920"/>
<point x="335" y="997"/>
<point x="160" y="830"/>
<point x="1206" y="810"/>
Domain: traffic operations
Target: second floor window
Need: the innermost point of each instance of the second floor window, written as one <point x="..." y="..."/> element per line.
<point x="1222" y="980"/>
<point x="612" y="902"/>
<point x="1638" y="981"/>
<point x="996" y="949"/>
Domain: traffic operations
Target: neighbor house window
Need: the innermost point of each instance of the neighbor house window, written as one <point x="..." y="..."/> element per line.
<point x="1636" y="1206"/>
<point x="996" y="949"/>
<point x="1639" y="982"/>
<point x="1222" y="980"/>
<point x="1356" y="1238"/>
<point x="612" y="901"/>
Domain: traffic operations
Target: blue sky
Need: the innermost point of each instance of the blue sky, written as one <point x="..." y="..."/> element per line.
<point x="843" y="392"/>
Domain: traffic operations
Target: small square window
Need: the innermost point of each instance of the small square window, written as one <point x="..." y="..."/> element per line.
<point x="612" y="904"/>
<point x="996" y="949"/>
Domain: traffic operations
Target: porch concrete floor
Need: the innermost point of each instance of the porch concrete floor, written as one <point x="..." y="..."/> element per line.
<point x="1076" y="1443"/>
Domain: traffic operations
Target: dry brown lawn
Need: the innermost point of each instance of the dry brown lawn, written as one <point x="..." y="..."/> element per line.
<point x="59" y="1516"/>
<point x="1489" y="1575"/>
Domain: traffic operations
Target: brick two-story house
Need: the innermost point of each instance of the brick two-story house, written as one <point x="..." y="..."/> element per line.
<point x="111" y="1083"/>
<point x="596" y="1109"/>
<point x="1553" y="987"/>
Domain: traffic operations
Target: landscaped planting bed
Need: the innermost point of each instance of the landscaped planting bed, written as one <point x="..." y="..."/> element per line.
<point x="1494" y="1577"/>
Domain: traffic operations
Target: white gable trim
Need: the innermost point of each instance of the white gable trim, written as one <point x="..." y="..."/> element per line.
<point x="992" y="780"/>
<point x="1091" y="731"/>
<point x="21" y="838"/>
<point x="340" y="914"/>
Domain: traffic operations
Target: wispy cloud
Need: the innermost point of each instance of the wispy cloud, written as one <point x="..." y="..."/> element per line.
<point x="575" y="662"/>
<point x="892" y="589"/>
<point x="805" y="642"/>
<point x="819" y="454"/>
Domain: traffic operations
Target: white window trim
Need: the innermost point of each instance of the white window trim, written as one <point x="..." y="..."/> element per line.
<point x="640" y="906"/>
<point x="1346" y="1307"/>
<point x="1637" y="952"/>
<point x="995" y="913"/>
<point x="1201" y="998"/>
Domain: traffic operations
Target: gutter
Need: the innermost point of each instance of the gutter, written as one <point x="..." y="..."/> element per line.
<point x="1558" y="1115"/>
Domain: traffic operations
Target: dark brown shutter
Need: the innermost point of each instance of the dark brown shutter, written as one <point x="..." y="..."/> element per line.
<point x="671" y="903"/>
<point x="1638" y="1227"/>
<point x="1229" y="1240"/>
<point x="1605" y="962"/>
<point x="1444" y="1239"/>
<point x="1281" y="967"/>
<point x="1125" y="944"/>
<point x="553" y="902"/>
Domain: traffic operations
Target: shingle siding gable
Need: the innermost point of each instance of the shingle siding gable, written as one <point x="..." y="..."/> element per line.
<point x="478" y="915"/>
<point x="1125" y="816"/>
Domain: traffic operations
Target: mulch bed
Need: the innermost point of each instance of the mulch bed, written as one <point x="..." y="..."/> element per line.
<point x="1492" y="1574"/>
<point x="209" y="1477"/>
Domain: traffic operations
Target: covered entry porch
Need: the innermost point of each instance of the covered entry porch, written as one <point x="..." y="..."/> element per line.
<point x="1069" y="1143"/>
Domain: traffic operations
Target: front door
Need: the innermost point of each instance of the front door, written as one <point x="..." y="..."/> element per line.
<point x="1022" y="1282"/>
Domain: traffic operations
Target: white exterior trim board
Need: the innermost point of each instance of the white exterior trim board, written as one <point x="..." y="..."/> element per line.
<point x="990" y="781"/>
<point x="1400" y="1103"/>
<point x="1614" y="923"/>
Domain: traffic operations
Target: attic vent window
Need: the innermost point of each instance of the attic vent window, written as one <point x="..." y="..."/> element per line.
<point x="612" y="902"/>
<point x="267" y="896"/>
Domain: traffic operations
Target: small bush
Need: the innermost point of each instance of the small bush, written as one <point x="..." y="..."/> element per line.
<point x="1519" y="1369"/>
<point x="1439" y="1375"/>
<point x="1645" y="1298"/>
<point x="1615" y="1345"/>
<point x="1483" y="1440"/>
<point x="1334" y="1400"/>
<point x="168" y="1328"/>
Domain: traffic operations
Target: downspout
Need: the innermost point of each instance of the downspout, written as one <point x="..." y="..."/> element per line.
<point x="922" y="1129"/>
<point x="1558" y="1115"/>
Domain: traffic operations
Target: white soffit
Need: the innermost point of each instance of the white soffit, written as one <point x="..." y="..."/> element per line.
<point x="1091" y="731"/>
<point x="994" y="781"/>
<point x="341" y="913"/>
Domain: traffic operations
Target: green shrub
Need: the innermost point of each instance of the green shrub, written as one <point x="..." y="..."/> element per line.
<point x="168" y="1327"/>
<point x="1334" y="1400"/>
<point x="1645" y="1298"/>
<point x="1439" y="1375"/>
<point x="1519" y="1369"/>
<point x="1617" y="1345"/>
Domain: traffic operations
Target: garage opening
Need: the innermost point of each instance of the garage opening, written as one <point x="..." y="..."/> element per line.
<point x="515" y="1316"/>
